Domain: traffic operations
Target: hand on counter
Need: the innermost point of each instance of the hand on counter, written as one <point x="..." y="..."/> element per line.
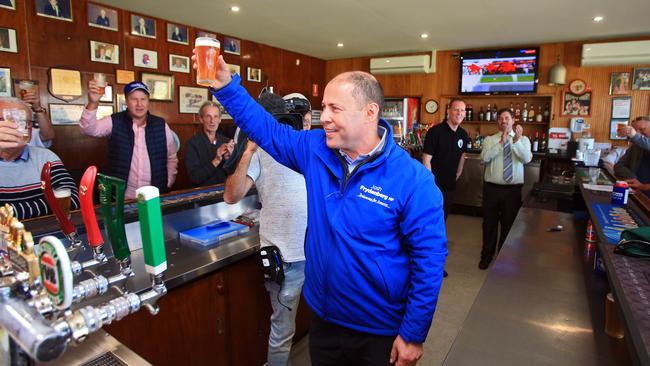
<point x="637" y="186"/>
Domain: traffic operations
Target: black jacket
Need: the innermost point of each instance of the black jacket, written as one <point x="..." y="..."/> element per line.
<point x="199" y="153"/>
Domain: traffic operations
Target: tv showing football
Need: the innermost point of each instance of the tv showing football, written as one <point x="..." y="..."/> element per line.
<point x="511" y="71"/>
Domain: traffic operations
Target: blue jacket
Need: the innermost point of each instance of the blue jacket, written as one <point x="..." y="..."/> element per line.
<point x="375" y="243"/>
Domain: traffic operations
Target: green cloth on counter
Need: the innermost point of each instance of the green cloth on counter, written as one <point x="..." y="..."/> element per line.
<point x="635" y="243"/>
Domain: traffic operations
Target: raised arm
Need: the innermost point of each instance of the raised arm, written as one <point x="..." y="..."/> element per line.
<point x="88" y="123"/>
<point x="240" y="182"/>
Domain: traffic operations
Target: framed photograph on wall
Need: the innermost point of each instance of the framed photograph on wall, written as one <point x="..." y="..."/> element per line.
<point x="615" y="129"/>
<point x="576" y="105"/>
<point x="206" y="34"/>
<point x="145" y="58"/>
<point x="191" y="98"/>
<point x="143" y="26"/>
<point x="120" y="102"/>
<point x="224" y="114"/>
<point x="179" y="63"/>
<point x="65" y="84"/>
<point x="124" y="76"/>
<point x="161" y="86"/>
<point x="619" y="83"/>
<point x="65" y="114"/>
<point x="8" y="41"/>
<point x="104" y="111"/>
<point x="57" y="9"/>
<point x="101" y="16"/>
<point x="231" y="45"/>
<point x="177" y="33"/>
<point x="641" y="79"/>
<point x="5" y="82"/>
<point x="621" y="107"/>
<point x="8" y="4"/>
<point x="104" y="52"/>
<point x="254" y="74"/>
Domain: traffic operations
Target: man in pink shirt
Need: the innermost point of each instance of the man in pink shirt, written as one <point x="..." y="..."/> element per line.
<point x="141" y="149"/>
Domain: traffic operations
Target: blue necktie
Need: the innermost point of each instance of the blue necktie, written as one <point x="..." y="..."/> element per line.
<point x="507" y="162"/>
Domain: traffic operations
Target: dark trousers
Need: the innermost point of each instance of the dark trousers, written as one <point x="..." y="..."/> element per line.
<point x="448" y="202"/>
<point x="500" y="206"/>
<point x="333" y="345"/>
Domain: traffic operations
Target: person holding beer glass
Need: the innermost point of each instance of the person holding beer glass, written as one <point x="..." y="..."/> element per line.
<point x="207" y="150"/>
<point x="43" y="136"/>
<point x="21" y="165"/>
<point x="376" y="245"/>
<point x="141" y="148"/>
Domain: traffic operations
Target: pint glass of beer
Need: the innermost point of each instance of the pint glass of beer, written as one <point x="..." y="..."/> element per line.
<point x="63" y="199"/>
<point x="207" y="54"/>
<point x="100" y="79"/>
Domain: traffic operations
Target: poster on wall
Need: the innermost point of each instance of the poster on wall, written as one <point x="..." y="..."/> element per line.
<point x="191" y="99"/>
<point x="65" y="84"/>
<point x="641" y="78"/>
<point x="65" y="114"/>
<point x="621" y="107"/>
<point x="576" y="105"/>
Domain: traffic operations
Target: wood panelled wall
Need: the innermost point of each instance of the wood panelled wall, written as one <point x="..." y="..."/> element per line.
<point x="46" y="42"/>
<point x="444" y="83"/>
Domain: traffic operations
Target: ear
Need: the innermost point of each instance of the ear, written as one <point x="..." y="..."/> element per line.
<point x="372" y="112"/>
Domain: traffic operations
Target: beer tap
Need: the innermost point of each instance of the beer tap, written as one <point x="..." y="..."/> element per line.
<point x="64" y="221"/>
<point x="22" y="258"/>
<point x="114" y="219"/>
<point x="86" y="189"/>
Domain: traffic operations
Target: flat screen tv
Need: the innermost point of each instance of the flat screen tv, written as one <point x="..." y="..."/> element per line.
<point x="508" y="71"/>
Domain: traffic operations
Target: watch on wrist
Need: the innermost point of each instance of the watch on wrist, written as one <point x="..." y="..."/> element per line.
<point x="38" y="110"/>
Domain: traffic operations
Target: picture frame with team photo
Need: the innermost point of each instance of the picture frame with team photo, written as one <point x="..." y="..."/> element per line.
<point x="8" y="4"/>
<point x="576" y="104"/>
<point x="177" y="33"/>
<point x="191" y="98"/>
<point x="104" y="52"/>
<point x="178" y="63"/>
<point x="641" y="79"/>
<point x="101" y="16"/>
<point x="143" y="26"/>
<point x="253" y="74"/>
<point x="55" y="9"/>
<point x="161" y="86"/>
<point x="145" y="58"/>
<point x="8" y="41"/>
<point x="619" y="83"/>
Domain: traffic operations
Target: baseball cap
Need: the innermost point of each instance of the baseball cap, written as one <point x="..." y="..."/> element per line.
<point x="135" y="85"/>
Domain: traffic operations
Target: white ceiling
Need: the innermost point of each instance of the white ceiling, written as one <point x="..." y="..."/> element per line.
<point x="380" y="27"/>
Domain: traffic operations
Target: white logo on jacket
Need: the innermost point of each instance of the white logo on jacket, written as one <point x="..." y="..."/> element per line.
<point x="460" y="143"/>
<point x="379" y="198"/>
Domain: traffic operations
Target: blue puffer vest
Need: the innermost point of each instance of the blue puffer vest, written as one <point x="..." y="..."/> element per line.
<point x="120" y="148"/>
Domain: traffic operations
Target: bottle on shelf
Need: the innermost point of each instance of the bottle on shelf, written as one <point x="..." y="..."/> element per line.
<point x="531" y="114"/>
<point x="469" y="143"/>
<point x="547" y="114"/>
<point x="494" y="113"/>
<point x="539" y="117"/>
<point x="517" y="113"/>
<point x="535" y="144"/>
<point x="481" y="114"/>
<point x="488" y="113"/>
<point x="469" y="116"/>
<point x="542" y="146"/>
<point x="512" y="109"/>
<point x="524" y="113"/>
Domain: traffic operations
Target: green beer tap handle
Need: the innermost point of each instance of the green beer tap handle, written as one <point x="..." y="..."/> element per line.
<point x="114" y="219"/>
<point x="151" y="229"/>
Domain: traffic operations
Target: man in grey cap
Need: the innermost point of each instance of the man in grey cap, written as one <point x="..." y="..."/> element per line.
<point x="141" y="148"/>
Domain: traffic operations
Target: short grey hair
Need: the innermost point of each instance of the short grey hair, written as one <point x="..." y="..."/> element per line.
<point x="641" y="119"/>
<point x="366" y="89"/>
<point x="207" y="104"/>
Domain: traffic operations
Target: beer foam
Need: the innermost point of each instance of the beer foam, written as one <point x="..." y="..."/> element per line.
<point x="62" y="192"/>
<point x="207" y="41"/>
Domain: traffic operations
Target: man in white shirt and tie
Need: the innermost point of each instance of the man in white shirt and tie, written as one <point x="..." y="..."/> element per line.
<point x="504" y="155"/>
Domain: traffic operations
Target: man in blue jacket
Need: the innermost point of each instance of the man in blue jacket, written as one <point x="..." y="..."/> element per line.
<point x="376" y="244"/>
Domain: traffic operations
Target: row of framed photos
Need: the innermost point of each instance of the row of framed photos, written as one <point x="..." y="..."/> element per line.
<point x="620" y="81"/>
<point x="101" y="16"/>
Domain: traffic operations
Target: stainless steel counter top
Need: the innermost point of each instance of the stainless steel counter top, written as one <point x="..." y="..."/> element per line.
<point x="539" y="304"/>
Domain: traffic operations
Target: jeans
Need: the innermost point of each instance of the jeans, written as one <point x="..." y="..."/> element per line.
<point x="283" y="319"/>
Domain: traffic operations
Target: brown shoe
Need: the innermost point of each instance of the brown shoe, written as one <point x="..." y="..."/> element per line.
<point x="483" y="264"/>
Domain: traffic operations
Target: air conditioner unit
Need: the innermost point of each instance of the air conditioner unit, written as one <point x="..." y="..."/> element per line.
<point x="616" y="53"/>
<point x="417" y="64"/>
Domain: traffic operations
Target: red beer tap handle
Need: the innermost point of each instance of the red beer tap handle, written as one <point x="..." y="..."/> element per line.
<point x="46" y="183"/>
<point x="86" y="188"/>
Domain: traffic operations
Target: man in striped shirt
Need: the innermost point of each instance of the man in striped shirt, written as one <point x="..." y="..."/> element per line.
<point x="20" y="174"/>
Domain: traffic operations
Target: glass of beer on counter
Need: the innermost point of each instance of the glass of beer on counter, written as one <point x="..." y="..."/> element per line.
<point x="63" y="199"/>
<point x="100" y="79"/>
<point x="207" y="54"/>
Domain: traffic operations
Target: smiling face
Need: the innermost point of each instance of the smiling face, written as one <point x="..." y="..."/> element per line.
<point x="137" y="103"/>
<point x="456" y="113"/>
<point x="505" y="121"/>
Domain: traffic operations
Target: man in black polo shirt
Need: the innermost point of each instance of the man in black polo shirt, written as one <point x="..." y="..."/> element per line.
<point x="444" y="152"/>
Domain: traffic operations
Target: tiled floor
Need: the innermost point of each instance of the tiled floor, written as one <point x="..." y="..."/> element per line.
<point x="456" y="297"/>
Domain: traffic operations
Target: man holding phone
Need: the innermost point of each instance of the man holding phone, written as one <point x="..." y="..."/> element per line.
<point x="504" y="155"/>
